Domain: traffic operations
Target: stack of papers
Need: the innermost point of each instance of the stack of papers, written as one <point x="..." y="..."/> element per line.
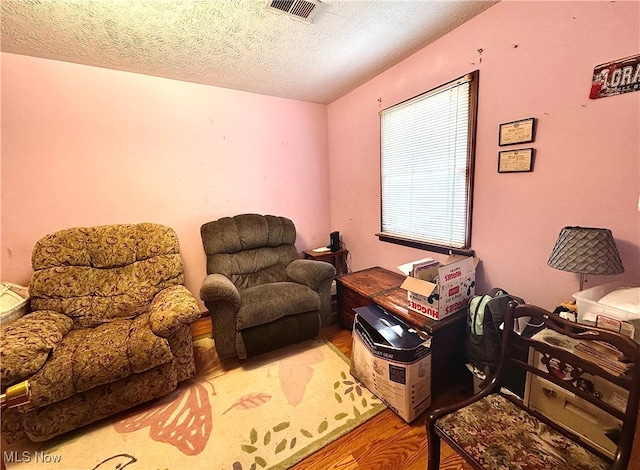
<point x="603" y="355"/>
<point x="425" y="269"/>
<point x="599" y="353"/>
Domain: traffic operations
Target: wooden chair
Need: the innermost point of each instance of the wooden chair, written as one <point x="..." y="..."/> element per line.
<point x="495" y="429"/>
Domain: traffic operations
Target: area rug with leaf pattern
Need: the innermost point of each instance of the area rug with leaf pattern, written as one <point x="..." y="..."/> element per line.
<point x="269" y="412"/>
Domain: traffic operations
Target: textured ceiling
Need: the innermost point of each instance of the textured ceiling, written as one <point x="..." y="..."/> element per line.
<point x="236" y="44"/>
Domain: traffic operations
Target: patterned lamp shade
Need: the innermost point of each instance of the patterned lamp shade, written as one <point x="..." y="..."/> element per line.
<point x="586" y="251"/>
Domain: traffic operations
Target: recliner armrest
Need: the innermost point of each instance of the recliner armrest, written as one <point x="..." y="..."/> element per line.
<point x="27" y="342"/>
<point x="217" y="287"/>
<point x="309" y="272"/>
<point x="171" y="308"/>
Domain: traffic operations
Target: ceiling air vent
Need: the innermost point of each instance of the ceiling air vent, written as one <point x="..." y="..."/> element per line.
<point x="299" y="9"/>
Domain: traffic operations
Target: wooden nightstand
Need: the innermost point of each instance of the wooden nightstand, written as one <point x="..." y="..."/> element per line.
<point x="337" y="258"/>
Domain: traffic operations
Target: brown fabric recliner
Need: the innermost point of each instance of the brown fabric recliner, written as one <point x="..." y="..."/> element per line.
<point x="109" y="328"/>
<point x="261" y="296"/>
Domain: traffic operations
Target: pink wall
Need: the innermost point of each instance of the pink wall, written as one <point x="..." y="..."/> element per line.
<point x="537" y="60"/>
<point x="88" y="146"/>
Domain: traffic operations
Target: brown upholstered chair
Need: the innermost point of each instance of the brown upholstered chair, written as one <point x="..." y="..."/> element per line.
<point x="109" y="328"/>
<point x="553" y="427"/>
<point x="259" y="294"/>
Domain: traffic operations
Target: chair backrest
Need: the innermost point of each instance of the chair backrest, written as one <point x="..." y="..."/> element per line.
<point x="595" y="365"/>
<point x="250" y="249"/>
<point x="97" y="274"/>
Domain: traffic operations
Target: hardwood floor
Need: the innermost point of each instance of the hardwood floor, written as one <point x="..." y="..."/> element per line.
<point x="385" y="442"/>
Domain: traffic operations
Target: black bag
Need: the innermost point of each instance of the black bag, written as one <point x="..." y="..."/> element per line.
<point x="484" y="317"/>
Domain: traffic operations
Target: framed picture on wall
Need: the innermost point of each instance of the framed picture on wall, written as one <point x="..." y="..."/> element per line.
<point x="515" y="161"/>
<point x="517" y="132"/>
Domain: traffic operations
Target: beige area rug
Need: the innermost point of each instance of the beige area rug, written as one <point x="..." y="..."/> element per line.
<point x="269" y="412"/>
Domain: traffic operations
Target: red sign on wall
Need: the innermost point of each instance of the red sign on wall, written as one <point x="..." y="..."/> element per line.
<point x="615" y="78"/>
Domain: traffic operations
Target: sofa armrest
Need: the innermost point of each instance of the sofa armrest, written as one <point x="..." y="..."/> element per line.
<point x="26" y="343"/>
<point x="217" y="287"/>
<point x="171" y="308"/>
<point x="309" y="272"/>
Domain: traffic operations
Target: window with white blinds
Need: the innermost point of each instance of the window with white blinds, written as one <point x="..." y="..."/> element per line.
<point x="427" y="154"/>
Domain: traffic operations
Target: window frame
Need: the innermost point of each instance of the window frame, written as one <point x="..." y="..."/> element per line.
<point x="472" y="78"/>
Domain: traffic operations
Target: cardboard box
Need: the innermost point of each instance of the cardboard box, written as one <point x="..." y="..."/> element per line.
<point x="392" y="360"/>
<point x="452" y="292"/>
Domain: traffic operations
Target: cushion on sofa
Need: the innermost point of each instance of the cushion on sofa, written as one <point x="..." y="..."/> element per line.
<point x="90" y="357"/>
<point x="92" y="296"/>
<point x="105" y="246"/>
<point x="268" y="302"/>
<point x="54" y="382"/>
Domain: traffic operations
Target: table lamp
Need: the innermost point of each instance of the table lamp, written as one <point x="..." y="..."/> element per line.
<point x="586" y="250"/>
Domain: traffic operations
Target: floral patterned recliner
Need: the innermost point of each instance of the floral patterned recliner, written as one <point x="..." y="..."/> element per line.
<point x="109" y="328"/>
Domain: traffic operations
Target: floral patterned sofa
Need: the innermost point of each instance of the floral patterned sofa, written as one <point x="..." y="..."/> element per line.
<point x="109" y="328"/>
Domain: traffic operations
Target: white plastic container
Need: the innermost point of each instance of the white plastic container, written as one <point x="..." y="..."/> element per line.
<point x="589" y="306"/>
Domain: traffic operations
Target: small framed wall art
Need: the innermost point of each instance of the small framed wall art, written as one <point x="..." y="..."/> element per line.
<point x="515" y="161"/>
<point x="517" y="132"/>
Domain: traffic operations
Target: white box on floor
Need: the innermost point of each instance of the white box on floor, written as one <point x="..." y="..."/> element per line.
<point x="392" y="360"/>
<point x="452" y="291"/>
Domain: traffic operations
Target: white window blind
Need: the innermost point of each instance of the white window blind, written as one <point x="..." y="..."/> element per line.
<point x="426" y="165"/>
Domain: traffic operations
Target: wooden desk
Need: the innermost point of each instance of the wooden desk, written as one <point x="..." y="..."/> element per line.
<point x="382" y="287"/>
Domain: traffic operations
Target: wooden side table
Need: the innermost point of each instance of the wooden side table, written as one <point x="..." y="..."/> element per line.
<point x="337" y="258"/>
<point x="382" y="287"/>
